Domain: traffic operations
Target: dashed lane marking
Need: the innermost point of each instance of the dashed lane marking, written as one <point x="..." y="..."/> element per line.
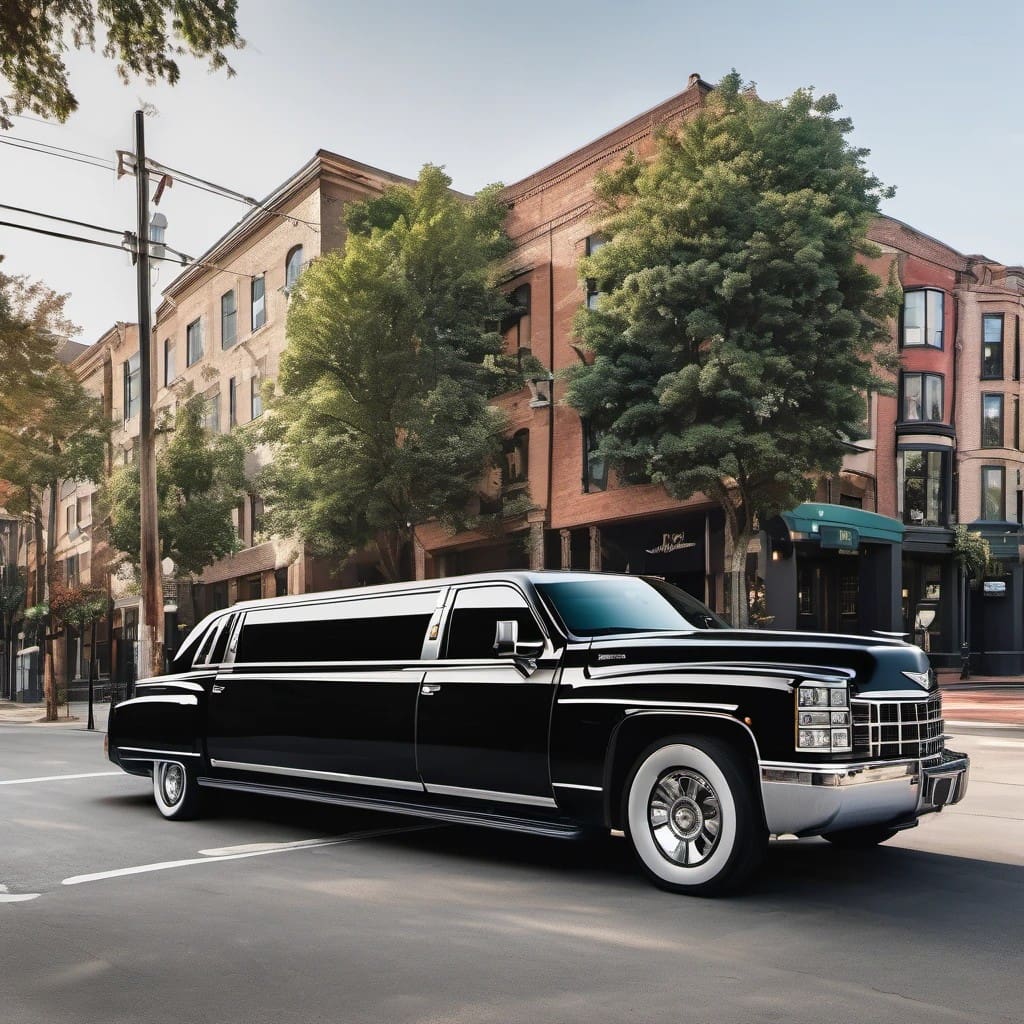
<point x="261" y="850"/>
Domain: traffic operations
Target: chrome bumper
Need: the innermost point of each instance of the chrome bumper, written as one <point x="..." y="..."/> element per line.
<point x="807" y="800"/>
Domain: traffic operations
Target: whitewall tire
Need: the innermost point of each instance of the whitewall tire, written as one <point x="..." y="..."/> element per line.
<point x="692" y="817"/>
<point x="175" y="790"/>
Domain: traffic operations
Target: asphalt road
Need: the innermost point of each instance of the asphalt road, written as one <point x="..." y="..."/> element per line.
<point x="240" y="917"/>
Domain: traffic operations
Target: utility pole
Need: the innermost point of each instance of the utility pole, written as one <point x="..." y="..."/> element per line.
<point x="152" y="626"/>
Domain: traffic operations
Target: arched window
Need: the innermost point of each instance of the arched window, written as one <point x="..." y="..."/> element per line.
<point x="292" y="267"/>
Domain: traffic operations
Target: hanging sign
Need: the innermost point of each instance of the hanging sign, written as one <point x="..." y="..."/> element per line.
<point x="671" y="542"/>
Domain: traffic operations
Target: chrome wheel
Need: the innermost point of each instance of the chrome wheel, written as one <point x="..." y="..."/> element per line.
<point x="684" y="816"/>
<point x="173" y="782"/>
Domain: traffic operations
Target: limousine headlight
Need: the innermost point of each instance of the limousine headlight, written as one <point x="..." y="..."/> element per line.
<point x="823" y="718"/>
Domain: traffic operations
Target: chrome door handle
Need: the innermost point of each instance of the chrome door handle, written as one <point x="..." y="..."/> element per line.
<point x="429" y="689"/>
<point x="217" y="688"/>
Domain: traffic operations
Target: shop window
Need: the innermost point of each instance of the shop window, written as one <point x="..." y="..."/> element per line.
<point x="848" y="589"/>
<point x="922" y="397"/>
<point x="992" y="421"/>
<point x="923" y="487"/>
<point x="595" y="465"/>
<point x="992" y="346"/>
<point x="993" y="492"/>
<point x="923" y="311"/>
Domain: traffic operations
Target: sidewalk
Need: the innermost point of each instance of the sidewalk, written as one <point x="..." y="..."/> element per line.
<point x="34" y="715"/>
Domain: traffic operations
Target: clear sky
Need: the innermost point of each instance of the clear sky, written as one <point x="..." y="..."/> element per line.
<point x="494" y="91"/>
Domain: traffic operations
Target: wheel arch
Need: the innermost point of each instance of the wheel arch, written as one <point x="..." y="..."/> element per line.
<point x="638" y="731"/>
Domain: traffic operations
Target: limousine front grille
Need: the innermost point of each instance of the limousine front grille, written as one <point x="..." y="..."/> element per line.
<point x="898" y="728"/>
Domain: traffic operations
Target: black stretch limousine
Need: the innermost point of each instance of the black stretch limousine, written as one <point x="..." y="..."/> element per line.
<point x="551" y="702"/>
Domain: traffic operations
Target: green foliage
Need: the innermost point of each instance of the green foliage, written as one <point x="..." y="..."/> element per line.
<point x="200" y="479"/>
<point x="737" y="333"/>
<point x="973" y="553"/>
<point x="144" y="36"/>
<point x="13" y="588"/>
<point x="382" y="419"/>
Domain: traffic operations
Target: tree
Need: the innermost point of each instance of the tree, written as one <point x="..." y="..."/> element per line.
<point x="382" y="420"/>
<point x="200" y="479"/>
<point x="144" y="36"/>
<point x="51" y="429"/>
<point x="80" y="608"/>
<point x="738" y="333"/>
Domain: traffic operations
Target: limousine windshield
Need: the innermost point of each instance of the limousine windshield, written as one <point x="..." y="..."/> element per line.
<point x="626" y="604"/>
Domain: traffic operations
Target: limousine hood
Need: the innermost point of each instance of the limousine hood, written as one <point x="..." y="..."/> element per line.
<point x="874" y="663"/>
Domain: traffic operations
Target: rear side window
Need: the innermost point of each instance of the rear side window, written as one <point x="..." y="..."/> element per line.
<point x="475" y="616"/>
<point x="220" y="645"/>
<point x="374" y="629"/>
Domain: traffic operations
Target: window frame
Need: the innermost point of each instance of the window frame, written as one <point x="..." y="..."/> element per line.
<point x="228" y="316"/>
<point x="1001" y="317"/>
<point x="132" y="373"/>
<point x="945" y="485"/>
<point x="211" y="412"/>
<point x="232" y="402"/>
<point x="255" y="398"/>
<point x="1001" y="470"/>
<point x="986" y="396"/>
<point x="924" y="291"/>
<point x="924" y="376"/>
<point x="169" y="367"/>
<point x="444" y="630"/>
<point x="261" y="280"/>
<point x="194" y="330"/>
<point x="291" y="280"/>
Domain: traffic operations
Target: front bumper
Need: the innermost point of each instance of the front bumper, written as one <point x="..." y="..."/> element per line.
<point x="807" y="800"/>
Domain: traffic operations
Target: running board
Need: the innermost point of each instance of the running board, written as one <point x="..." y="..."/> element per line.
<point x="459" y="816"/>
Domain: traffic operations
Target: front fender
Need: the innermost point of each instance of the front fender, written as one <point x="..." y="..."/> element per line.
<point x="144" y="728"/>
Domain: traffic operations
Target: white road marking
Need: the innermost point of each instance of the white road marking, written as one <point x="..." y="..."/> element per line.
<point x="299" y="844"/>
<point x="56" y="778"/>
<point x="16" y="897"/>
<point x="265" y="850"/>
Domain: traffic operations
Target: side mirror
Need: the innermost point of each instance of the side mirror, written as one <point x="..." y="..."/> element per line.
<point x="507" y="643"/>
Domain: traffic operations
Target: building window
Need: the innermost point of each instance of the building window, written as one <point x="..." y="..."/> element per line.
<point x="595" y="465"/>
<point x="194" y="342"/>
<point x="233" y="402"/>
<point x="292" y="267"/>
<point x="211" y="413"/>
<point x="255" y="399"/>
<point x="169" y="371"/>
<point x="70" y="522"/>
<point x="923" y="311"/>
<point x="71" y="571"/>
<point x="992" y="421"/>
<point x="992" y="346"/>
<point x="83" y="510"/>
<point x="594" y="243"/>
<point x="228" y="319"/>
<point x="132" y="385"/>
<point x="516" y="326"/>
<point x="516" y="467"/>
<point x="922" y="397"/>
<point x="923" y="487"/>
<point x="238" y="515"/>
<point x="256" y="514"/>
<point x="259" y="303"/>
<point x="993" y="492"/>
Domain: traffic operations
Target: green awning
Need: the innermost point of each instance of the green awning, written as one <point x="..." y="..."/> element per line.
<point x="840" y="526"/>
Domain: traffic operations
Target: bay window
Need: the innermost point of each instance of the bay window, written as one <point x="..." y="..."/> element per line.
<point x="923" y="487"/>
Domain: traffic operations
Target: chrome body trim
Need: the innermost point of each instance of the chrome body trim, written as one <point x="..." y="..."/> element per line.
<point x="161" y="698"/>
<point x="809" y="799"/>
<point x="174" y="685"/>
<point x="576" y="785"/>
<point x="635" y="705"/>
<point x="492" y="794"/>
<point x="159" y="753"/>
<point x="306" y="773"/>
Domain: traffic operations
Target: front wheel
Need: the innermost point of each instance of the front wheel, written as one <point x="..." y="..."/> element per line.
<point x="693" y="818"/>
<point x="175" y="790"/>
<point x="860" y="838"/>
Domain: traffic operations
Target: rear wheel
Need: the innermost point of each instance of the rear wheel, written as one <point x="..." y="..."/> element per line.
<point x="692" y="816"/>
<point x="175" y="790"/>
<point x="860" y="838"/>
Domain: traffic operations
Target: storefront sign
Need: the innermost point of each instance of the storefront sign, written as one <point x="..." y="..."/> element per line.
<point x="671" y="542"/>
<point x="996" y="588"/>
<point x="845" y="538"/>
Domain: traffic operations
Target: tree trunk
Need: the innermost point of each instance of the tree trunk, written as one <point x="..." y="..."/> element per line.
<point x="389" y="549"/>
<point x="738" y="598"/>
<point x="49" y="680"/>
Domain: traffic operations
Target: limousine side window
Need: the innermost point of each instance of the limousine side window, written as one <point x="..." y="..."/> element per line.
<point x="220" y="644"/>
<point x="390" y="628"/>
<point x="475" y="616"/>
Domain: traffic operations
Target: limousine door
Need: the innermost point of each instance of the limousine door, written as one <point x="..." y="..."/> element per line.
<point x="324" y="693"/>
<point x="482" y="724"/>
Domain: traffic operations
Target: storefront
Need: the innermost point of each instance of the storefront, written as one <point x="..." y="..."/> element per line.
<point x="832" y="569"/>
<point x="995" y="605"/>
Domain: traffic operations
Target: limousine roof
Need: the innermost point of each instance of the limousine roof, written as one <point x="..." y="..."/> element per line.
<point x="521" y="576"/>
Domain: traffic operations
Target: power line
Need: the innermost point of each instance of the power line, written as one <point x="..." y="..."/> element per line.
<point x="60" y="149"/>
<point x="90" y="162"/>
<point x="61" y="234"/>
<point x="63" y="220"/>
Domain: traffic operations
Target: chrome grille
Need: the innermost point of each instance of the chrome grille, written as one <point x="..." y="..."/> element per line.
<point x="898" y="728"/>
